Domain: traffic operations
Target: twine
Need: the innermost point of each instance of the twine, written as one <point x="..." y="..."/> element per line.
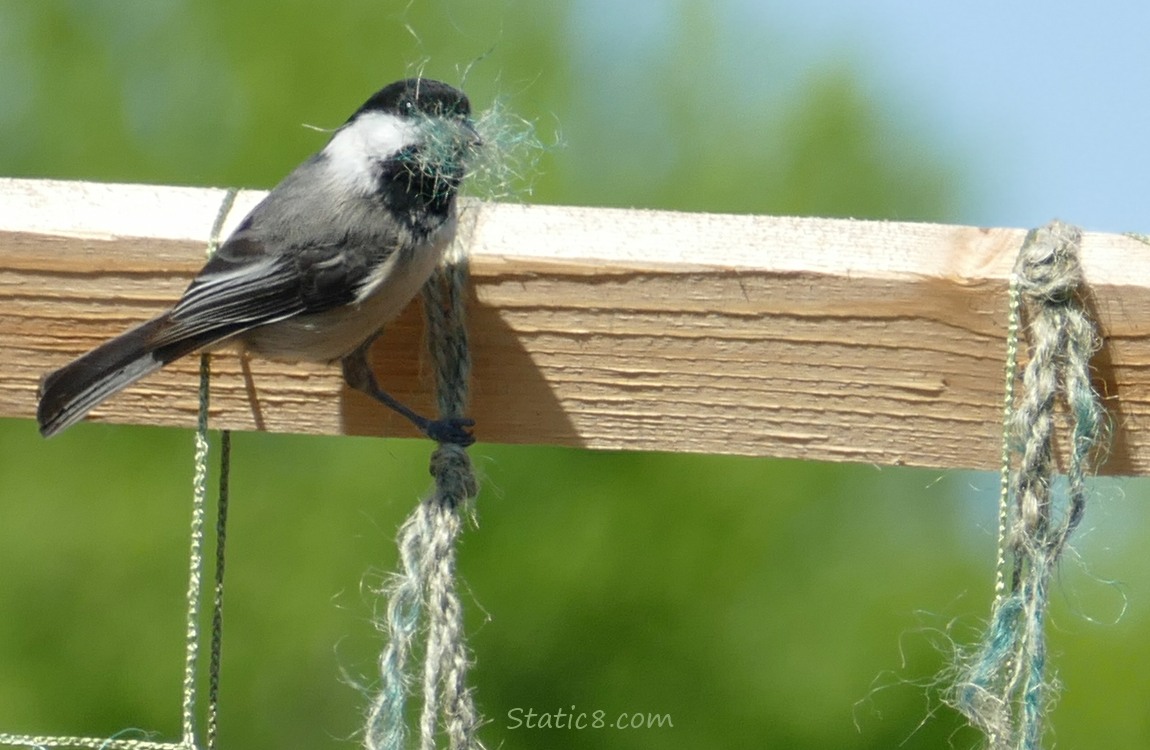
<point x="96" y="743"/>
<point x="195" y="557"/>
<point x="196" y="562"/>
<point x="192" y="634"/>
<point x="1003" y="690"/>
<point x="216" y="647"/>
<point x="426" y="583"/>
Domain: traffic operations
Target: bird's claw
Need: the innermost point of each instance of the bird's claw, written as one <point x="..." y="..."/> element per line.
<point x="454" y="430"/>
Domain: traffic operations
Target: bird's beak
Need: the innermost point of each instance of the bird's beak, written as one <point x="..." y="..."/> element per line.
<point x="473" y="139"/>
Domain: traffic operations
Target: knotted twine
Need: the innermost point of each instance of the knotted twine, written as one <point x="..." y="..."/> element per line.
<point x="425" y="585"/>
<point x="1003" y="690"/>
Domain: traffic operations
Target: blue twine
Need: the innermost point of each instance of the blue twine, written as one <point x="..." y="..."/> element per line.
<point x="386" y="723"/>
<point x="1032" y="699"/>
<point x="425" y="586"/>
<point x="1003" y="690"/>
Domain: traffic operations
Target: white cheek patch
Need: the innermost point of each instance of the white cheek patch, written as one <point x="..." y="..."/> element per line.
<point x="371" y="137"/>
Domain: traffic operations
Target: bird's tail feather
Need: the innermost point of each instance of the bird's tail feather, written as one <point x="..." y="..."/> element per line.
<point x="69" y="393"/>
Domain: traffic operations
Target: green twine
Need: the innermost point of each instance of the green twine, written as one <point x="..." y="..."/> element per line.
<point x="425" y="586"/>
<point x="95" y="743"/>
<point x="1003" y="690"/>
<point x="195" y="562"/>
<point x="1012" y="324"/>
<point x="195" y="555"/>
<point x="192" y="635"/>
<point x="218" y="591"/>
<point x="217" y="627"/>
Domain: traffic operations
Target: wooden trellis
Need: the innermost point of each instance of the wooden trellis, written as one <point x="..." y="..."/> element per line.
<point x="818" y="339"/>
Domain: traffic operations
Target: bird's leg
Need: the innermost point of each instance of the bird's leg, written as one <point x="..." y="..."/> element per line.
<point x="357" y="372"/>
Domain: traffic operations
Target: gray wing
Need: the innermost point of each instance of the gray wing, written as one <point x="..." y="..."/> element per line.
<point x="247" y="284"/>
<point x="276" y="266"/>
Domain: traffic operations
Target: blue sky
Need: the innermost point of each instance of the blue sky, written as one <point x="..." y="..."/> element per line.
<point x="1050" y="101"/>
<point x="1044" y="105"/>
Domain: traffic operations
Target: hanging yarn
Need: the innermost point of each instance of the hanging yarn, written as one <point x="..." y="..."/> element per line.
<point x="1003" y="690"/>
<point x="217" y="623"/>
<point x="193" y="595"/>
<point x="425" y="584"/>
<point x="192" y="631"/>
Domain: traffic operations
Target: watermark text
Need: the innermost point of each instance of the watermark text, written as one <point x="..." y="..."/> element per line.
<point x="571" y="718"/>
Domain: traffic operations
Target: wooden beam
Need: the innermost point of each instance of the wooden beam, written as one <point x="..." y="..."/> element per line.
<point x="817" y="339"/>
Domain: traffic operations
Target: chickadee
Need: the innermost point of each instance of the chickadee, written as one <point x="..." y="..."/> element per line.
<point x="314" y="271"/>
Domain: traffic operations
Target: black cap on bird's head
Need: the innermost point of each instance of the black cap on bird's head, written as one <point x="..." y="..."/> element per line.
<point x="418" y="96"/>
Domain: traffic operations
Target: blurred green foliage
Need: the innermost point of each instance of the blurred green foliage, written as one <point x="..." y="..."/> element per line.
<point x="757" y="603"/>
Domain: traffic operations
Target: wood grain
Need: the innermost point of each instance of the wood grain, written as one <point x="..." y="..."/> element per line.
<point x="818" y="339"/>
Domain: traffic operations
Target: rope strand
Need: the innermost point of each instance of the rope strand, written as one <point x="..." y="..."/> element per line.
<point x="1004" y="691"/>
<point x="212" y="734"/>
<point x="192" y="635"/>
<point x="196" y="556"/>
<point x="426" y="583"/>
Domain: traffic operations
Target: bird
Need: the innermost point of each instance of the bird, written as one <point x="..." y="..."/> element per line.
<point x="332" y="253"/>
